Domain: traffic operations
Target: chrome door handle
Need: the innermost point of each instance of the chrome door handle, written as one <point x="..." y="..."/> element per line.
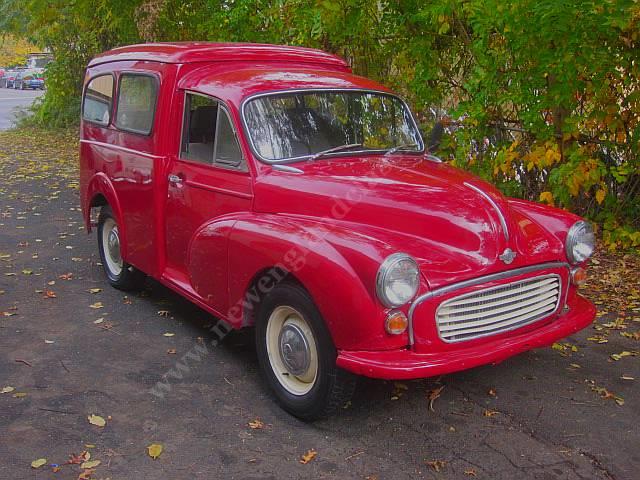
<point x="174" y="179"/>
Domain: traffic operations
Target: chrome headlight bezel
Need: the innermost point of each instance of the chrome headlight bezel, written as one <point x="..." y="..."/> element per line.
<point x="384" y="275"/>
<point x="580" y="234"/>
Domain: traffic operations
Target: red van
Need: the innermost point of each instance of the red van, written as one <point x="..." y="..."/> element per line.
<point x="273" y="188"/>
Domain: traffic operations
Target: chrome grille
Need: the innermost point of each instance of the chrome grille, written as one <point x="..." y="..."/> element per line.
<point x="498" y="309"/>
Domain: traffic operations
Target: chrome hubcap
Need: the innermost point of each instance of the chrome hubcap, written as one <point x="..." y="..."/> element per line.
<point x="111" y="246"/>
<point x="294" y="349"/>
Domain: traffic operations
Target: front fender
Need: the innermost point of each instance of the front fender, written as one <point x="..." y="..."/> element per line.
<point x="267" y="245"/>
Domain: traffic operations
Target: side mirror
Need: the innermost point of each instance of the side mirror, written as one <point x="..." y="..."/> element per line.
<point x="435" y="137"/>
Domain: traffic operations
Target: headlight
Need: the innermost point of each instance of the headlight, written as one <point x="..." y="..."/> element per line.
<point x="580" y="242"/>
<point x="397" y="280"/>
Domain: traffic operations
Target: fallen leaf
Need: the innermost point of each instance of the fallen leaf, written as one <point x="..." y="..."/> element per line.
<point x="7" y="389"/>
<point x="86" y="475"/>
<point x="19" y="395"/>
<point x="91" y="464"/>
<point x="94" y="290"/>
<point x="618" y="356"/>
<point x="256" y="424"/>
<point x="100" y="320"/>
<point x="38" y="463"/>
<point x="307" y="457"/>
<point x="437" y="465"/>
<point x="26" y="271"/>
<point x="168" y="334"/>
<point x="471" y="472"/>
<point x="154" y="450"/>
<point x="96" y="420"/>
<point x="490" y="413"/>
<point x="96" y="305"/>
<point x="492" y="392"/>
<point x="433" y="395"/>
<point x="49" y="294"/>
<point x="49" y="341"/>
<point x="163" y="313"/>
<point x="627" y="377"/>
<point x="171" y="351"/>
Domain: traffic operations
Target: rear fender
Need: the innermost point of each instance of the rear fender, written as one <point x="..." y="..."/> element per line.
<point x="101" y="185"/>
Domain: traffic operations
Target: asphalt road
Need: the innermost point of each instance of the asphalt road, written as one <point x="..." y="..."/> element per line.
<point x="12" y="102"/>
<point x="75" y="353"/>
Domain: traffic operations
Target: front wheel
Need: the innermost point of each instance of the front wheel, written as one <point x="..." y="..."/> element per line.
<point x="297" y="356"/>
<point x="120" y="274"/>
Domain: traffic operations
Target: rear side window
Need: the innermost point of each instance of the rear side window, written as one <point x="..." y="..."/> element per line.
<point x="98" y="100"/>
<point x="137" y="96"/>
<point x="208" y="135"/>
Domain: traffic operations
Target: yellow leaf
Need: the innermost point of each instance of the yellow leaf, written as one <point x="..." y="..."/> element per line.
<point x="38" y="463"/>
<point x="600" y="194"/>
<point x="307" y="457"/>
<point x="96" y="420"/>
<point x="96" y="305"/>
<point x="91" y="464"/>
<point x="546" y="197"/>
<point x="154" y="450"/>
<point x="19" y="395"/>
<point x="7" y="389"/>
<point x="94" y="290"/>
<point x="256" y="424"/>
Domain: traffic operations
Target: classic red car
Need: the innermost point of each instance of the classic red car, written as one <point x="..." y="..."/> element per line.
<point x="273" y="188"/>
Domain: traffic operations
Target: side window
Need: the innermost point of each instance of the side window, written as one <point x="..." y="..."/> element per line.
<point x="98" y="100"/>
<point x="198" y="132"/>
<point x="208" y="135"/>
<point x="227" y="151"/>
<point x="137" y="95"/>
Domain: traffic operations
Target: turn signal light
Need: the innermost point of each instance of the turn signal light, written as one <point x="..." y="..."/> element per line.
<point x="396" y="322"/>
<point x="578" y="276"/>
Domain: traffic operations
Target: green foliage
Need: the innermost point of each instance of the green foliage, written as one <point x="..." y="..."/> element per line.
<point x="541" y="97"/>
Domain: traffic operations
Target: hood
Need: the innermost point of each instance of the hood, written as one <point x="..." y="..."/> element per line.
<point x="453" y="223"/>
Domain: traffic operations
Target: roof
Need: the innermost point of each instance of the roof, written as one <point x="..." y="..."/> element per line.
<point x="234" y="85"/>
<point x="191" y="52"/>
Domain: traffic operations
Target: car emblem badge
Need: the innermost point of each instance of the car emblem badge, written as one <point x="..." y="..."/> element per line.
<point x="508" y="256"/>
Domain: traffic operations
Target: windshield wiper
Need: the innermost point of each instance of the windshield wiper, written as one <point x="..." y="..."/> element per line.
<point x="403" y="146"/>
<point x="339" y="148"/>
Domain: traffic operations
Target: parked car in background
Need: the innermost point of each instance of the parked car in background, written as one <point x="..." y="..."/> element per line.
<point x="9" y="78"/>
<point x="29" y="79"/>
<point x="275" y="189"/>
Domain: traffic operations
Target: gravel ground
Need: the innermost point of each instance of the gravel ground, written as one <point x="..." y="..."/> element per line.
<point x="547" y="414"/>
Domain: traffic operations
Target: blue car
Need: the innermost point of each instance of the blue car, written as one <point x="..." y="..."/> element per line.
<point x="28" y="79"/>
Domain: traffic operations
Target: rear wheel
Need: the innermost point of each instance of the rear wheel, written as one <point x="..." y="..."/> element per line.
<point x="297" y="356"/>
<point x="120" y="274"/>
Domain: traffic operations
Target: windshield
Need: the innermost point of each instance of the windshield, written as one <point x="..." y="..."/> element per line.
<point x="302" y="124"/>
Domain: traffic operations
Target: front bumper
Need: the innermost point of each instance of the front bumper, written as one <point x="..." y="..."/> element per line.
<point x="408" y="364"/>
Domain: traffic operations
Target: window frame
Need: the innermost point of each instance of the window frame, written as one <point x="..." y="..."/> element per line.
<point x="113" y="95"/>
<point x="156" y="84"/>
<point x="284" y="161"/>
<point x="243" y="165"/>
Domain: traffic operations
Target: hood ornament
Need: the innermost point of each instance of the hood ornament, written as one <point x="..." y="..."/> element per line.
<point x="508" y="256"/>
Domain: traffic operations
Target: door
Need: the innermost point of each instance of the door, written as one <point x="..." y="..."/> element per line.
<point x="208" y="180"/>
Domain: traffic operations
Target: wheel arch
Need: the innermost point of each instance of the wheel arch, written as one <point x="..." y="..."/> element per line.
<point x="100" y="192"/>
<point x="263" y="247"/>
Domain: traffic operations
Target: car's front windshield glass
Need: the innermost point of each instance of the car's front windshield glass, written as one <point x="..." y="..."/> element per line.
<point x="286" y="126"/>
